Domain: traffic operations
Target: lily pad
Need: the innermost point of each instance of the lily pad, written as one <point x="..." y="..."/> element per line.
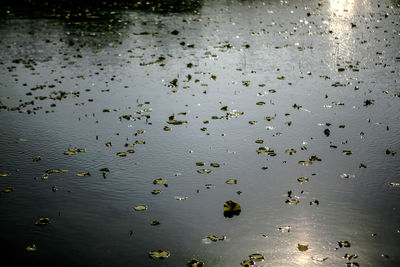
<point x="260" y="103"/>
<point x="213" y="238"/>
<point x="159" y="254"/>
<point x="290" y="151"/>
<point x="259" y="141"/>
<point x="257" y="257"/>
<point x="176" y="122"/>
<point x="81" y="174"/>
<point x="201" y="163"/>
<point x="215" y="165"/>
<point x="305" y="163"/>
<point x="247" y="263"/>
<point x="269" y="118"/>
<point x="159" y="181"/>
<point x="8" y="189"/>
<point x="155" y="192"/>
<point x="347" y="152"/>
<point x="31" y="248"/>
<point x="204" y="171"/>
<point x="302" y="247"/>
<point x="166" y="128"/>
<point x="231" y="181"/>
<point x="140" y="207"/>
<point x="302" y="179"/>
<point x="43" y="221"/>
<point x="231" y="208"/>
<point x="121" y="154"/>
<point x="193" y="262"/>
<point x="344" y="243"/>
<point x="4" y="174"/>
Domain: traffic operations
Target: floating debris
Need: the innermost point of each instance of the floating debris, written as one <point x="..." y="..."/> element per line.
<point x="347" y="176"/>
<point x="292" y="201"/>
<point x="390" y="152"/>
<point x="201" y="163"/>
<point x="257" y="257"/>
<point x="260" y="103"/>
<point x="155" y="222"/>
<point x="36" y="159"/>
<point x="395" y="184"/>
<point x="284" y="229"/>
<point x="4" y="174"/>
<point x="319" y="258"/>
<point x="215" y="165"/>
<point x="8" y="189"/>
<point x="159" y="254"/>
<point x="122" y="154"/>
<point x="349" y="256"/>
<point x="231" y="208"/>
<point x="155" y="191"/>
<point x="247" y="263"/>
<point x="181" y="198"/>
<point x="176" y="122"/>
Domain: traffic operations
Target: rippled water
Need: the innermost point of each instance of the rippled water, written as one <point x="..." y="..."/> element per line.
<point x="336" y="61"/>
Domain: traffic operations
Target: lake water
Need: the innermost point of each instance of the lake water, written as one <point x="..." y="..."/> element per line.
<point x="318" y="77"/>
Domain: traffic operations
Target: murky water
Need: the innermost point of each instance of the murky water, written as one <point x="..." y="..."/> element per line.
<point x="319" y="77"/>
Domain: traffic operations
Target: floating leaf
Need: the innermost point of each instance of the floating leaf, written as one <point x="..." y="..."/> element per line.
<point x="269" y="118"/>
<point x="290" y="151"/>
<point x="201" y="163"/>
<point x="8" y="190"/>
<point x="259" y="141"/>
<point x="36" y="159"/>
<point x="181" y="198"/>
<point x="140" y="207"/>
<point x="105" y="170"/>
<point x="257" y="257"/>
<point x="43" y="221"/>
<point x="319" y="258"/>
<point x="305" y="163"/>
<point x="121" y="154"/>
<point x="176" y="122"/>
<point x="347" y="152"/>
<point x="108" y="144"/>
<point x="284" y="229"/>
<point x="155" y="222"/>
<point x="395" y="184"/>
<point x="231" y="181"/>
<point x="252" y="122"/>
<point x="193" y="262"/>
<point x="131" y="151"/>
<point x="209" y="186"/>
<point x="247" y="263"/>
<point x="31" y="248"/>
<point x="347" y="176"/>
<point x="81" y="174"/>
<point x="4" y="174"/>
<point x="314" y="158"/>
<point x="292" y="201"/>
<point x="327" y="132"/>
<point x="390" y="152"/>
<point x="260" y="103"/>
<point x="369" y="102"/>
<point x="231" y="208"/>
<point x="350" y="256"/>
<point x="166" y="128"/>
<point x="302" y="247"/>
<point x="159" y="254"/>
<point x="215" y="165"/>
<point x="156" y="191"/>
<point x="344" y="243"/>
<point x="224" y="108"/>
<point x="159" y="181"/>
<point x="204" y="171"/>
<point x="302" y="179"/>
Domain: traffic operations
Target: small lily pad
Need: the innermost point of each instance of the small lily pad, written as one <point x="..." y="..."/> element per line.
<point x="204" y="171"/>
<point x="231" y="208"/>
<point x="302" y="179"/>
<point x="259" y="141"/>
<point x="166" y="128"/>
<point x="159" y="254"/>
<point x="121" y="154"/>
<point x="140" y="207"/>
<point x="292" y="201"/>
<point x="201" y="163"/>
<point x="81" y="174"/>
<point x="215" y="165"/>
<point x="213" y="238"/>
<point x="257" y="257"/>
<point x="260" y="103"/>
<point x="176" y="122"/>
<point x="344" y="243"/>
<point x="193" y="262"/>
<point x="290" y="151"/>
<point x="305" y="163"/>
<point x="231" y="181"/>
<point x="155" y="192"/>
<point x="31" y="248"/>
<point x="269" y="118"/>
<point x="302" y="247"/>
<point x="43" y="221"/>
<point x="247" y="263"/>
<point x="159" y="181"/>
<point x="347" y="152"/>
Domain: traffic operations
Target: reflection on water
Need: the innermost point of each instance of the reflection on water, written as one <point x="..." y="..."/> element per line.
<point x="213" y="93"/>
